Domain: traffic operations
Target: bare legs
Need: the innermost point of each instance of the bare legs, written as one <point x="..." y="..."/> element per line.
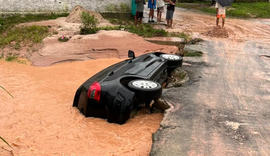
<point x="159" y="13"/>
<point x="169" y="23"/>
<point x="151" y="15"/>
<point x="223" y="22"/>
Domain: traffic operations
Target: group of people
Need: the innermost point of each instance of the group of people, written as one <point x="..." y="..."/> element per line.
<point x="159" y="4"/>
<point x="152" y="5"/>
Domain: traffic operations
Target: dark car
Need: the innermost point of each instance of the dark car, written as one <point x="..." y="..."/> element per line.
<point x="113" y="92"/>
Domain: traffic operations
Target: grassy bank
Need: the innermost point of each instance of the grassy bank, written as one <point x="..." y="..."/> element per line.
<point x="241" y="10"/>
<point x="13" y="36"/>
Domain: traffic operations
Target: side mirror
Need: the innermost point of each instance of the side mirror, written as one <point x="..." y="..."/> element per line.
<point x="131" y="54"/>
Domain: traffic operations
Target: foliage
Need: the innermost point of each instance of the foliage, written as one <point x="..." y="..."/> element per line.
<point x="11" y="58"/>
<point x="187" y="37"/>
<point x="0" y="136"/>
<point x="89" y="23"/>
<point x="117" y="8"/>
<point x="14" y="35"/>
<point x="63" y="39"/>
<point x="2" y="55"/>
<point x="5" y="140"/>
<point x="242" y="10"/>
<point x="11" y="21"/>
<point x="6" y="91"/>
<point x="146" y="30"/>
<point x="193" y="54"/>
<point x="23" y="34"/>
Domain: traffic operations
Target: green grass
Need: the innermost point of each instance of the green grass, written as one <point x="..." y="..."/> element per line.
<point x="146" y="30"/>
<point x="23" y="35"/>
<point x="14" y="36"/>
<point x="241" y="10"/>
<point x="10" y="22"/>
<point x="63" y="39"/>
<point x="11" y="58"/>
<point x="2" y="56"/>
<point x="193" y="54"/>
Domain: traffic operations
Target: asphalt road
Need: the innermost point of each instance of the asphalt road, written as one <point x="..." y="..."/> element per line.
<point x="225" y="107"/>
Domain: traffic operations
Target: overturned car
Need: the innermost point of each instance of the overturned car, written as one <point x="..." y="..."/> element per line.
<point x="115" y="91"/>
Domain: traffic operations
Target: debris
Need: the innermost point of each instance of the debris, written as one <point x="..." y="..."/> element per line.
<point x="217" y="32"/>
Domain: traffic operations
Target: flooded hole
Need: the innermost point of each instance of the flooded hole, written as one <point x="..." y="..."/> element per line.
<point x="40" y="119"/>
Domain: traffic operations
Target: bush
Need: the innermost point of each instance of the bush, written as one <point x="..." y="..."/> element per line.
<point x="89" y="23"/>
<point x="63" y="39"/>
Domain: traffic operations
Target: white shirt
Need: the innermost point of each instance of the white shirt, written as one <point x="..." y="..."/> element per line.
<point x="160" y="3"/>
<point x="221" y="9"/>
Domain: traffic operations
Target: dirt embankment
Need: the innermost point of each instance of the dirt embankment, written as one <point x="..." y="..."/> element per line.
<point x="104" y="44"/>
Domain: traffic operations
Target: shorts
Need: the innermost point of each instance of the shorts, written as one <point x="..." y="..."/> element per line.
<point x="169" y="14"/>
<point x="151" y="5"/>
<point x="139" y="14"/>
<point x="160" y="9"/>
<point x="223" y="16"/>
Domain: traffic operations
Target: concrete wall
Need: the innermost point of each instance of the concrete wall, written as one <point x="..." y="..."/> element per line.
<point x="26" y="6"/>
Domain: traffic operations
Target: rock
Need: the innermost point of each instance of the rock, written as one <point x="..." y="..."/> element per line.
<point x="178" y="78"/>
<point x="160" y="106"/>
<point x="192" y="51"/>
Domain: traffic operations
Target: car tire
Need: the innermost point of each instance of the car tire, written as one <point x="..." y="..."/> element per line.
<point x="173" y="60"/>
<point x="146" y="88"/>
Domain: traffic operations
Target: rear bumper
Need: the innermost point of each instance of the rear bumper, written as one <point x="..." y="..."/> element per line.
<point x="115" y="103"/>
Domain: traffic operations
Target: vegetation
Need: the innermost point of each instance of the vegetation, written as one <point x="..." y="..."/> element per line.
<point x="187" y="37"/>
<point x="10" y="22"/>
<point x="146" y="30"/>
<point x="241" y="10"/>
<point x="193" y="54"/>
<point x="0" y="136"/>
<point x="63" y="39"/>
<point x="118" y="8"/>
<point x="6" y="91"/>
<point x="15" y="36"/>
<point x="5" y="142"/>
<point x="89" y="23"/>
<point x="23" y="35"/>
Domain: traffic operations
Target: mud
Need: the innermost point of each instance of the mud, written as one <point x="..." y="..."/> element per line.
<point x="40" y="119"/>
<point x="217" y="32"/>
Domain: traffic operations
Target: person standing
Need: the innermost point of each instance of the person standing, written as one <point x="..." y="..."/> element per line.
<point x="160" y="9"/>
<point x="139" y="12"/>
<point x="133" y="9"/>
<point x="152" y="7"/>
<point x="220" y="12"/>
<point x="170" y="12"/>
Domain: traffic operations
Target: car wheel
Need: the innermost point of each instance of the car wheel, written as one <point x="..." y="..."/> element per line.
<point x="146" y="89"/>
<point x="144" y="85"/>
<point x="174" y="60"/>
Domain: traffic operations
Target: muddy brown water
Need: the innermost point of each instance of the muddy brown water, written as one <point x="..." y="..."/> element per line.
<point x="40" y="119"/>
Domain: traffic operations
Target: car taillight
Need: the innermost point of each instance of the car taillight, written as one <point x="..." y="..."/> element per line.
<point x="94" y="91"/>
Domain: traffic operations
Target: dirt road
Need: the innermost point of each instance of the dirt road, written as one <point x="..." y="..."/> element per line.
<point x="224" y="109"/>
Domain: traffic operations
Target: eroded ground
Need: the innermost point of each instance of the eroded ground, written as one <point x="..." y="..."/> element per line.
<point x="223" y="109"/>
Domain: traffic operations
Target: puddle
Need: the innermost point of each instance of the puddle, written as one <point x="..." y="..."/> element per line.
<point x="176" y="41"/>
<point x="40" y="119"/>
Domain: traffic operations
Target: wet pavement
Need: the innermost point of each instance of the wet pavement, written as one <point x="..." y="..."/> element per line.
<point x="224" y="108"/>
